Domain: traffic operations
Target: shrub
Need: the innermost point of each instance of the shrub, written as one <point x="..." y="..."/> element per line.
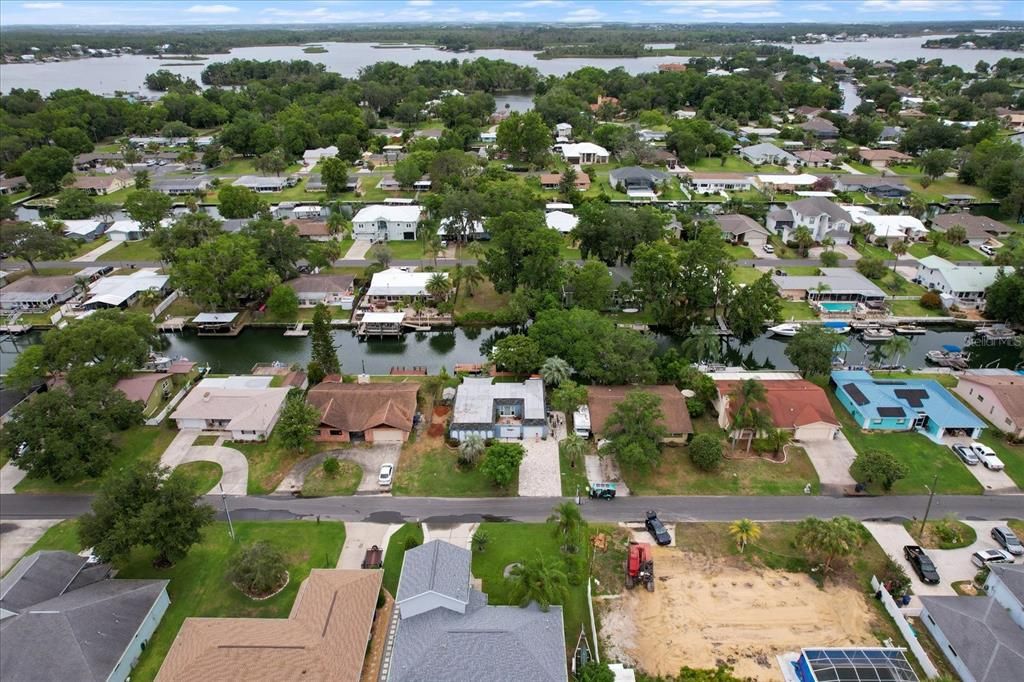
<point x="948" y="531"/>
<point x="574" y="569"/>
<point x="706" y="452"/>
<point x="411" y="543"/>
<point x="695" y="406"/>
<point x="480" y="540"/>
<point x="501" y="462"/>
<point x="894" y="577"/>
<point x="876" y="466"/>
<point x="331" y="467"/>
<point x="258" y="569"/>
<point x="931" y="300"/>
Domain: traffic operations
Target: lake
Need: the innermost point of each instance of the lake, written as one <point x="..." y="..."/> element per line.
<point x="900" y="49"/>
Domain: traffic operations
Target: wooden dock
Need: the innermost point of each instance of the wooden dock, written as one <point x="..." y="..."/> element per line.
<point x="172" y="324"/>
<point x="408" y="372"/>
<point x="297" y="330"/>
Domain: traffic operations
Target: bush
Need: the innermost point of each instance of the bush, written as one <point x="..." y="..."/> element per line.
<point x="501" y="462"/>
<point x="258" y="569"/>
<point x="872" y="268"/>
<point x="331" y="467"/>
<point x="894" y="577"/>
<point x="876" y="466"/>
<point x="411" y="543"/>
<point x="695" y="406"/>
<point x="706" y="452"/>
<point x="480" y="540"/>
<point x="931" y="300"/>
<point x="574" y="569"/>
<point x="948" y="531"/>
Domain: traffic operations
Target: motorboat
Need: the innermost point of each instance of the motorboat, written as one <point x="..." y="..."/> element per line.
<point x="948" y="356"/>
<point x="785" y="329"/>
<point x="876" y="334"/>
<point x="837" y="327"/>
<point x="910" y="330"/>
<point x="996" y="333"/>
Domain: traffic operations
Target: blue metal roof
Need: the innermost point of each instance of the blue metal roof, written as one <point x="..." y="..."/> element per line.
<point x="930" y="398"/>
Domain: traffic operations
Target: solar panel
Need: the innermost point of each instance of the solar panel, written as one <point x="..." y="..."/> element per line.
<point x="859" y="665"/>
<point x="890" y="382"/>
<point x="913" y="396"/>
<point x="891" y="412"/>
<point x="854" y="392"/>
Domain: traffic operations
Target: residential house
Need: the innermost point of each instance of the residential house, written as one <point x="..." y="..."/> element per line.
<point x="793" y="403"/>
<point x="821" y="128"/>
<point x="372" y="413"/>
<point x="809" y="111"/>
<point x="890" y="135"/>
<point x="920" y="405"/>
<point x="307" y="211"/>
<point x="315" y="183"/>
<point x="12" y="185"/>
<point x="446" y="630"/>
<point x="847" y="664"/>
<point x="962" y="285"/>
<point x="980" y="229"/>
<point x="602" y="100"/>
<point x="144" y="387"/>
<point x="33" y="292"/>
<point x="312" y="157"/>
<point x="760" y="132"/>
<point x="602" y="401"/>
<point x="389" y="184"/>
<point x="647" y="135"/>
<point x="325" y="637"/>
<point x="684" y="114"/>
<point x="10" y="398"/>
<point x="674" y="67"/>
<point x="429" y="133"/>
<point x="996" y="394"/>
<point x="713" y="183"/>
<point x="976" y="635"/>
<point x="121" y="291"/>
<point x="843" y="285"/>
<point x="92" y="160"/>
<point x="390" y="133"/>
<point x="882" y="158"/>
<point x="327" y="289"/>
<point x="499" y="410"/>
<point x="636" y="181"/>
<point x="1005" y="584"/>
<point x="241" y="408"/>
<point x="312" y="230"/>
<point x="766" y="153"/>
<point x="85" y="230"/>
<point x="125" y="231"/>
<point x="664" y="157"/>
<point x="888" y="229"/>
<point x="182" y="186"/>
<point x="423" y="184"/>
<point x="561" y="221"/>
<point x="386" y="222"/>
<point x="101" y="185"/>
<point x="218" y="324"/>
<point x="815" y="158"/>
<point x="742" y="229"/>
<point x="263" y="184"/>
<point x="782" y="182"/>
<point x="63" y="617"/>
<point x="471" y="230"/>
<point x="824" y="218"/>
<point x="887" y="188"/>
<point x="563" y="130"/>
<point x="395" y="284"/>
<point x="551" y="181"/>
<point x="584" y="153"/>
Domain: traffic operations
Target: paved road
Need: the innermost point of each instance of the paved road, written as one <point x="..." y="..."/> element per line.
<point x="380" y="509"/>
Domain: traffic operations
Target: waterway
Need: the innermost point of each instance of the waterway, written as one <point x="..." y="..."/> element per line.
<point x="435" y="350"/>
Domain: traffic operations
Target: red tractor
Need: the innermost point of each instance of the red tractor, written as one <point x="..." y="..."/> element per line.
<point x="640" y="566"/>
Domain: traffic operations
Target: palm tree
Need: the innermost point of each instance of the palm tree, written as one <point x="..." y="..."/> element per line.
<point x="472" y="277"/>
<point x="821" y="288"/>
<point x="778" y="438"/>
<point x="829" y="243"/>
<point x="538" y="580"/>
<point x="749" y="396"/>
<point x="568" y="524"/>
<point x="337" y="223"/>
<point x="916" y="205"/>
<point x="574" y="447"/>
<point x="895" y="348"/>
<point x="898" y="249"/>
<point x="555" y="370"/>
<point x="744" y="532"/>
<point x="471" y="449"/>
<point x="438" y="286"/>
<point x="475" y="249"/>
<point x="804" y="239"/>
<point x="703" y="344"/>
<point x="433" y="248"/>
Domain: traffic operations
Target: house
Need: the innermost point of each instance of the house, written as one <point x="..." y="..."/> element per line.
<point x="602" y="100"/>
<point x="312" y="230"/>
<point x="451" y="229"/>
<point x="765" y="153"/>
<point x="429" y="133"/>
<point x="326" y="289"/>
<point x="781" y="182"/>
<point x="665" y="157"/>
<point x="241" y="408"/>
<point x="1005" y="584"/>
<point x="121" y="291"/>
<point x="11" y="397"/>
<point x="963" y="285"/>
<point x="848" y="664"/>
<point x="372" y="413"/>
<point x="637" y="181"/>
<point x="888" y="228"/>
<point x="446" y="630"/>
<point x="218" y="324"/>
<point x="325" y="637"/>
<point x="312" y="157"/>
<point x="890" y="134"/>
<point x="741" y="229"/>
<point x="63" y="617"/>
<point x="551" y="181"/>
<point x="85" y="230"/>
<point x="389" y="184"/>
<point x="684" y="114"/>
<point x="12" y="185"/>
<point x="793" y="403"/>
<point x="961" y="200"/>
<point x="584" y="153"/>
<point x="976" y="635"/>
<point x="760" y="132"/>
<point x="822" y="217"/>
<point x="809" y="111"/>
<point x="602" y="401"/>
<point x="563" y="130"/>
<point x="561" y="221"/>
<point x="920" y="405"/>
<point x="423" y="184"/>
<point x="38" y="293"/>
<point x="881" y="158"/>
<point x="821" y="128"/>
<point x="844" y="284"/>
<point x="887" y="188"/>
<point x="92" y="160"/>
<point x="395" y="284"/>
<point x="646" y="135"/>
<point x="979" y="228"/>
<point x="315" y="183"/>
<point x="262" y="183"/>
<point x="712" y="183"/>
<point x="125" y="231"/>
<point x="143" y="386"/>
<point x="101" y="185"/>
<point x="674" y="67"/>
<point x="996" y="394"/>
<point x="386" y="222"/>
<point x="307" y="211"/>
<point x="815" y="158"/>
<point x="181" y="186"/>
<point x="499" y="410"/>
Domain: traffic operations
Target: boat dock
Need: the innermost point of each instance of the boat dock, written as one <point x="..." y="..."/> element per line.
<point x="297" y="330"/>
<point x="173" y="324"/>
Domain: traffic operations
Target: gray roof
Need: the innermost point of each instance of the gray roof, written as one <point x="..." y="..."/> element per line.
<point x="737" y="223"/>
<point x="234" y="224"/>
<point x="181" y="184"/>
<point x="637" y="174"/>
<point x="38" y="577"/>
<point x="985" y="638"/>
<point x="436" y="566"/>
<point x="839" y="281"/>
<point x="870" y="182"/>
<point x="820" y="125"/>
<point x="1012" y="576"/>
<point x="815" y="206"/>
<point x="766" y="149"/>
<point x="474" y="402"/>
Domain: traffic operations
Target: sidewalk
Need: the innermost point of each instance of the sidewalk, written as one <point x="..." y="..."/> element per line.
<point x="97" y="252"/>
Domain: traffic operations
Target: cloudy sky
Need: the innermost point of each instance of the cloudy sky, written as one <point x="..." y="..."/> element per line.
<point x="140" y="12"/>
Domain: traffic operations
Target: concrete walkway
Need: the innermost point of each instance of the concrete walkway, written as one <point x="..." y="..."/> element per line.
<point x="850" y="169"/>
<point x="358" y="250"/>
<point x="233" y="464"/>
<point x="459" y="534"/>
<point x="10" y="476"/>
<point x="359" y="537"/>
<point x="17" y="536"/>
<point x="97" y="252"/>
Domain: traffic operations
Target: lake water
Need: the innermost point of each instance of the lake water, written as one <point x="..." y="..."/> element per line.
<point x="900" y="49"/>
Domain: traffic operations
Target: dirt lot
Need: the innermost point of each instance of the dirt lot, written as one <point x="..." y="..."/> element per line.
<point x="707" y="611"/>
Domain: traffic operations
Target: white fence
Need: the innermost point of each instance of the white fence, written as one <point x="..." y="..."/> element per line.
<point x="904" y="627"/>
<point x="165" y="304"/>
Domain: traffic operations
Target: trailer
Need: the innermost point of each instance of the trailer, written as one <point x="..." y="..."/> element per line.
<point x="581" y="421"/>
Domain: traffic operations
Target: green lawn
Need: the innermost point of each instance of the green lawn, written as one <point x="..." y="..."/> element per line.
<point x="745" y="275"/>
<point x="85" y="247"/>
<point x="430" y="469"/>
<point x="937" y="190"/>
<point x="198" y="583"/>
<point x="245" y="167"/>
<point x="396" y="553"/>
<point x="912" y="309"/>
<point x="873" y="251"/>
<point x="140" y="250"/>
<point x="484" y="303"/>
<point x="733" y="164"/>
<point x="269" y="462"/>
<point x="1011" y="454"/>
<point x="204" y="475"/>
<point x="800" y="270"/>
<point x="923" y="458"/>
<point x="956" y="252"/>
<point x="896" y="285"/>
<point x="515" y="542"/>
<point x="738" y="251"/>
<point x="345" y="482"/>
<point x="139" y="443"/>
<point x="797" y="310"/>
<point x="863" y="168"/>
<point x="404" y="250"/>
<point x="947" y="380"/>
<point x="573" y="478"/>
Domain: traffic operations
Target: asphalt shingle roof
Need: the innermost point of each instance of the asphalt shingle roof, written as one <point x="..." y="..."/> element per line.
<point x="988" y="642"/>
<point x="436" y="566"/>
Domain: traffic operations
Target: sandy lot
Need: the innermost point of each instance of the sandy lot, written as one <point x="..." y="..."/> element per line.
<point x="707" y="611"/>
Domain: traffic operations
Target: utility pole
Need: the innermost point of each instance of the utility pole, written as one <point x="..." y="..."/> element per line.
<point x="931" y="494"/>
<point x="227" y="512"/>
<point x="578" y="499"/>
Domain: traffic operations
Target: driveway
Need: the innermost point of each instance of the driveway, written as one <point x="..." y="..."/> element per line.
<point x="832" y="460"/>
<point x="97" y="252"/>
<point x="358" y="250"/>
<point x="540" y="474"/>
<point x="606" y="470"/>
<point x="359" y="537"/>
<point x="369" y="457"/>
<point x="458" y="534"/>
<point x="991" y="481"/>
<point x="10" y="476"/>
<point x="233" y="464"/>
<point x="17" y="536"/>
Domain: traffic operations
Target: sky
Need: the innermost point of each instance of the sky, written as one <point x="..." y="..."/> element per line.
<point x="249" y="12"/>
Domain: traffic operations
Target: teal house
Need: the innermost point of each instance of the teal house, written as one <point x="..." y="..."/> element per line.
<point x="920" y="405"/>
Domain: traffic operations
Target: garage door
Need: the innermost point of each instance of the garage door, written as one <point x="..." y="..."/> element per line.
<point x="815" y="432"/>
<point x="388" y="436"/>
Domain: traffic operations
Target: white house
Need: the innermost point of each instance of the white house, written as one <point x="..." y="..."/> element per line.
<point x="767" y="153"/>
<point x="242" y="408"/>
<point x="119" y="291"/>
<point x="312" y="157"/>
<point x="125" y="231"/>
<point x="84" y="230"/>
<point x="386" y="222"/>
<point x="561" y="221"/>
<point x="890" y="228"/>
<point x="1005" y="584"/>
<point x="821" y="216"/>
<point x="712" y="183"/>
<point x="584" y="153"/>
<point x="781" y="182"/>
<point x="563" y="130"/>
<point x="395" y="284"/>
<point x="326" y="289"/>
<point x="963" y="285"/>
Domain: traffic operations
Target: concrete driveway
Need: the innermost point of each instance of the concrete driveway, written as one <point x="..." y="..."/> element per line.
<point x="832" y="460"/>
<point x="605" y="470"/>
<point x="233" y="464"/>
<point x="359" y="537"/>
<point x="991" y="481"/>
<point x="10" y="476"/>
<point x="369" y="457"/>
<point x="17" y="536"/>
<point x="358" y="250"/>
<point x="540" y="474"/>
<point x="458" y="534"/>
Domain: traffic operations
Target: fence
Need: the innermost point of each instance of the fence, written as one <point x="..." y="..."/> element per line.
<point x="165" y="304"/>
<point x="904" y="627"/>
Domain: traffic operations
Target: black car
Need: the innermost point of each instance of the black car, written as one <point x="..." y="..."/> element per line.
<point x="1007" y="540"/>
<point x="966" y="454"/>
<point x="657" y="529"/>
<point x="921" y="564"/>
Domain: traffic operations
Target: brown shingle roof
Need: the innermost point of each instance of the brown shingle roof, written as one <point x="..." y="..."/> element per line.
<point x="603" y="399"/>
<point x="791" y="402"/>
<point x="324" y="637"/>
<point x="977" y="224"/>
<point x="1008" y="389"/>
<point x="360" y="407"/>
<point x="36" y="284"/>
<point x="814" y="155"/>
<point x="883" y="155"/>
<point x="310" y="228"/>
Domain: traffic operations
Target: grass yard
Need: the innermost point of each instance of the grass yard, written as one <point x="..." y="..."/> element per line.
<point x="923" y="458"/>
<point x="937" y="190"/>
<point x="204" y="475"/>
<point x="430" y="469"/>
<point x="573" y="478"/>
<point x="396" y="553"/>
<point x="912" y="309"/>
<point x="85" y="247"/>
<point x="873" y="251"/>
<point x="797" y="310"/>
<point x="139" y="443"/>
<point x="269" y="462"/>
<point x="863" y="168"/>
<point x="244" y="167"/>
<point x="800" y="270"/>
<point x="514" y="542"/>
<point x="484" y="299"/>
<point x="404" y="250"/>
<point x="955" y="252"/>
<point x="182" y="307"/>
<point x="931" y="539"/>
<point x="738" y="251"/>
<point x="895" y="285"/>
<point x="947" y="380"/>
<point x="568" y="251"/>
<point x="745" y="275"/>
<point x="345" y="482"/>
<point x="140" y="250"/>
<point x="1011" y="454"/>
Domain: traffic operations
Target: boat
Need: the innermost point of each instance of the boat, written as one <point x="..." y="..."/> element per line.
<point x="949" y="356"/>
<point x="837" y="327"/>
<point x="996" y="333"/>
<point x="876" y="334"/>
<point x="785" y="329"/>
<point x="910" y="330"/>
<point x="583" y="654"/>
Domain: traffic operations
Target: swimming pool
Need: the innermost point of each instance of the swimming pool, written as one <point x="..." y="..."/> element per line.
<point x="837" y="307"/>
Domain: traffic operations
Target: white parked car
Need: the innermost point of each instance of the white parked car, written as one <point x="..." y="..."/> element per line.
<point x="987" y="456"/>
<point x="987" y="557"/>
<point x="768" y="248"/>
<point x="386" y="475"/>
<point x="987" y="250"/>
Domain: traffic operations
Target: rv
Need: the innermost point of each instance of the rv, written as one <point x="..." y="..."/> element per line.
<point x="581" y="421"/>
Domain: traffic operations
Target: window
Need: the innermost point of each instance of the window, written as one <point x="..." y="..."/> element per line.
<point x="901" y="421"/>
<point x="981" y="398"/>
<point x="876" y="421"/>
